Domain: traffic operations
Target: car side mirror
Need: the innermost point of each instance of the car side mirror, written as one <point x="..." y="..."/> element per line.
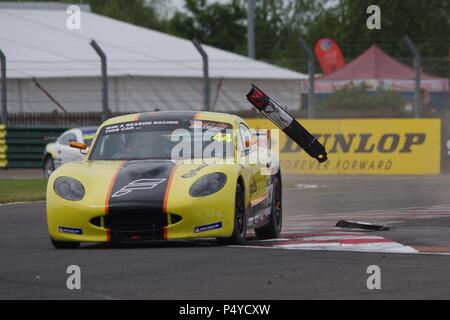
<point x="247" y="143"/>
<point x="77" y="145"/>
<point x="250" y="142"/>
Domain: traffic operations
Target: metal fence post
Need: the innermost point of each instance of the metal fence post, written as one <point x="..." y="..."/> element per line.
<point x="417" y="96"/>
<point x="251" y="29"/>
<point x="207" y="88"/>
<point x="311" y="73"/>
<point x="102" y="55"/>
<point x="4" y="113"/>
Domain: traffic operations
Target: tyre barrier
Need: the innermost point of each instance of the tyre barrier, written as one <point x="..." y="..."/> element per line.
<point x="3" y="147"/>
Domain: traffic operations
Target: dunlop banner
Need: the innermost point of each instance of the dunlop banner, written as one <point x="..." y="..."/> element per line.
<point x="365" y="146"/>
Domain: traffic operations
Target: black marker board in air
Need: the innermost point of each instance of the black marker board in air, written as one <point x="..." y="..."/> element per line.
<point x="287" y="123"/>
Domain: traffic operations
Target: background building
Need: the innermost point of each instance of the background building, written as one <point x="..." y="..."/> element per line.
<point x="147" y="69"/>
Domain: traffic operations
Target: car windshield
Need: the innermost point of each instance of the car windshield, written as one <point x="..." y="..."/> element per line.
<point x="190" y="139"/>
<point x="88" y="140"/>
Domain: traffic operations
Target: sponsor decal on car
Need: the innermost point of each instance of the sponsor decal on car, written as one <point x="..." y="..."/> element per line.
<point x="137" y="126"/>
<point x="209" y="125"/>
<point x="208" y="227"/>
<point x="141" y="184"/>
<point x="70" y="230"/>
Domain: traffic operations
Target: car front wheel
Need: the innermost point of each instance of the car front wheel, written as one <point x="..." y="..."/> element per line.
<point x="240" y="221"/>
<point x="273" y="228"/>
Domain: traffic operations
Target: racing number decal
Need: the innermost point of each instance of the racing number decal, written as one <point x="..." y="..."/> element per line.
<point x="222" y="137"/>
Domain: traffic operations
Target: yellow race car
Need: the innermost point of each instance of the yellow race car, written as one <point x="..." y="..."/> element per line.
<point x="164" y="176"/>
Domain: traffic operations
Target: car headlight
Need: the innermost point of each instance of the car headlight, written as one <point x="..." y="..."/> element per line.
<point x="69" y="188"/>
<point x="208" y="184"/>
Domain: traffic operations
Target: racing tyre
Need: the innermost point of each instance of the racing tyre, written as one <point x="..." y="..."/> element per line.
<point x="240" y="221"/>
<point x="49" y="166"/>
<point x="273" y="228"/>
<point x="65" y="244"/>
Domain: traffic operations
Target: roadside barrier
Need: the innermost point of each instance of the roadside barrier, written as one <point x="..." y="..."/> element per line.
<point x="446" y="145"/>
<point x="25" y="145"/>
<point x="354" y="146"/>
<point x="3" y="147"/>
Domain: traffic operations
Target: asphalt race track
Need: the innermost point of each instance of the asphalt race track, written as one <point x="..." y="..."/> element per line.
<point x="311" y="260"/>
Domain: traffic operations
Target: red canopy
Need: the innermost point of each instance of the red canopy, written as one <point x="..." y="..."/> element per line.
<point x="374" y="64"/>
<point x="376" y="68"/>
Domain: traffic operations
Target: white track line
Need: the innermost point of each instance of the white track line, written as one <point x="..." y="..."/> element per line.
<point x="21" y="202"/>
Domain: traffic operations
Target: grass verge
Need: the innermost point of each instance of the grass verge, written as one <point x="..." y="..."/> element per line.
<point x="22" y="190"/>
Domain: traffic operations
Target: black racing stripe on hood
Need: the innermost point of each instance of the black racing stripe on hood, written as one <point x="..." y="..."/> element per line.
<point x="136" y="202"/>
<point x="137" y="198"/>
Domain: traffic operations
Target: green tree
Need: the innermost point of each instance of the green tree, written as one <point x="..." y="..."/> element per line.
<point x="278" y="26"/>
<point x="216" y="24"/>
<point x="426" y="22"/>
<point x="140" y="12"/>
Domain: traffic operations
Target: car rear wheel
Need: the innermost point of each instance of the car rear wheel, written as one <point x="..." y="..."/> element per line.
<point x="273" y="228"/>
<point x="240" y="221"/>
<point x="49" y="166"/>
<point x="65" y="244"/>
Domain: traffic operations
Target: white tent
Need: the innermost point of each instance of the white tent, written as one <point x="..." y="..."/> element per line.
<point x="147" y="69"/>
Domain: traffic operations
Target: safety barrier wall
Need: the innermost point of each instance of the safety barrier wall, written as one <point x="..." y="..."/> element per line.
<point x="25" y="145"/>
<point x="355" y="146"/>
<point x="3" y="159"/>
<point x="366" y="146"/>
